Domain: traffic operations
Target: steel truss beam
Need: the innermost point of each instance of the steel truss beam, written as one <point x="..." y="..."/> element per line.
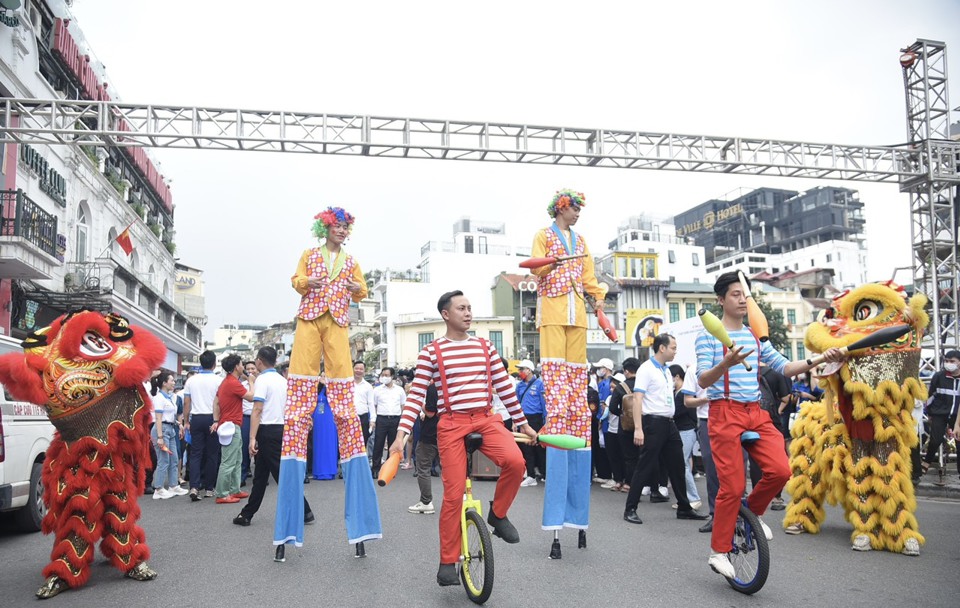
<point x="119" y="124"/>
<point x="933" y="216"/>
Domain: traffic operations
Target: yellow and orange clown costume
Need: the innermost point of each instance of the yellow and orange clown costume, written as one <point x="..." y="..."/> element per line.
<point x="562" y="322"/>
<point x="87" y="369"/>
<point x="323" y="318"/>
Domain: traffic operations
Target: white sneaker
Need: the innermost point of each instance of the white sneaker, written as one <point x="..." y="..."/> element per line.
<point x="528" y="482"/>
<point x="664" y="492"/>
<point x="600" y="480"/>
<point x="696" y="504"/>
<point x="426" y="509"/>
<point x="162" y="494"/>
<point x="766" y="529"/>
<point x="178" y="491"/>
<point x="645" y="491"/>
<point x="721" y="565"/>
<point x="608" y="484"/>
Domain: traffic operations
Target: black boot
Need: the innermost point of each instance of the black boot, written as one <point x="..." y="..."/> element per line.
<point x="502" y="527"/>
<point x="279" y="555"/>
<point x="582" y="539"/>
<point x="447" y="575"/>
<point x="555" y="550"/>
<point x="361" y="552"/>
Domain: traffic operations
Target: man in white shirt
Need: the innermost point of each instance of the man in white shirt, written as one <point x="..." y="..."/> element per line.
<point x="385" y="410"/>
<point x="199" y="393"/>
<point x="656" y="432"/>
<point x="362" y="397"/>
<point x="266" y="434"/>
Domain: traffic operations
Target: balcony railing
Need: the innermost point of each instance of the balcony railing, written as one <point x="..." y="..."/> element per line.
<point x="24" y="218"/>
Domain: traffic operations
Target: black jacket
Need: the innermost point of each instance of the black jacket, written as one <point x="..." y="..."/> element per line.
<point x="944" y="394"/>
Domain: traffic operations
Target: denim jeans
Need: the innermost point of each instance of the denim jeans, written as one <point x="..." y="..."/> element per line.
<point x="689" y="438"/>
<point x="166" y="474"/>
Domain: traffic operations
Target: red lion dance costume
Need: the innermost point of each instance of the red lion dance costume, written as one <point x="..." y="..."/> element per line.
<point x="88" y="370"/>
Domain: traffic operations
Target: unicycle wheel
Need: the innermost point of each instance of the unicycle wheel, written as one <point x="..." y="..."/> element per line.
<point x="750" y="554"/>
<point x="476" y="570"/>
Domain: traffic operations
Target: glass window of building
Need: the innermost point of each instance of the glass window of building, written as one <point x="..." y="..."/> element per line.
<point x="788" y="351"/>
<point x="801" y="353"/>
<point x="82" y="229"/>
<point x="650" y="268"/>
<point x="791" y="316"/>
<point x="674" y="312"/>
<point x="691" y="310"/>
<point x="423" y="339"/>
<point x="696" y="259"/>
<point x="672" y="256"/>
<point x="496" y="338"/>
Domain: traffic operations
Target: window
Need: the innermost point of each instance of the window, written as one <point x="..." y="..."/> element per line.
<point x="649" y="268"/>
<point x="788" y="351"/>
<point x="471" y="333"/>
<point x="482" y="242"/>
<point x="81" y="255"/>
<point x="468" y="244"/>
<point x="829" y="258"/>
<point x="691" y="310"/>
<point x="791" y="316"/>
<point x="674" y="312"/>
<point x="423" y="339"/>
<point x="696" y="259"/>
<point x="496" y="338"/>
<point x="801" y="354"/>
<point x="672" y="256"/>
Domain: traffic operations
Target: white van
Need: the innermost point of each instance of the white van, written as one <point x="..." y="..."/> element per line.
<point x="25" y="435"/>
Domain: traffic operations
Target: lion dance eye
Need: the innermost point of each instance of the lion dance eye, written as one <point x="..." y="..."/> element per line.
<point x="93" y="345"/>
<point x="867" y="309"/>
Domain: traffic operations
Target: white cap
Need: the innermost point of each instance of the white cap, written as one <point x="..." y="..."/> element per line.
<point x="619" y="377"/>
<point x="607" y="363"/>
<point x="225" y="431"/>
<point x="527" y="364"/>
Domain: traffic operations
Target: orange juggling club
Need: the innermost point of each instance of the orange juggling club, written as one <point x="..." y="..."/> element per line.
<point x="540" y="262"/>
<point x="389" y="469"/>
<point x="755" y="316"/>
<point x="716" y="329"/>
<point x="604" y="322"/>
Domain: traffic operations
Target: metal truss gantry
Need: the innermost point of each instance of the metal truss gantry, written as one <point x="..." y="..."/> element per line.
<point x="933" y="216"/>
<point x="926" y="167"/>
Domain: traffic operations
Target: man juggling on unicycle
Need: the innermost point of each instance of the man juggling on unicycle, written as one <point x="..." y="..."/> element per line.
<point x="466" y="370"/>
<point x="734" y="395"/>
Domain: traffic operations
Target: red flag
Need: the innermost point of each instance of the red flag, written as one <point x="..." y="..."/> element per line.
<point x="123" y="239"/>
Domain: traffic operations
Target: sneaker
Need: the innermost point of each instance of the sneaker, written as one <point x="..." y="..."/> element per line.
<point x="227" y="500"/>
<point x="309" y="518"/>
<point x="406" y="465"/>
<point x="664" y="492"/>
<point x="178" y="491"/>
<point x="658" y="498"/>
<point x="600" y="480"/>
<point x="777" y="504"/>
<point x="528" y="482"/>
<point x="720" y="564"/>
<point x="447" y="575"/>
<point x="208" y="494"/>
<point x="195" y="495"/>
<point x="241" y="495"/>
<point x="794" y="529"/>
<point x="609" y="484"/>
<point x="645" y="491"/>
<point x="696" y="504"/>
<point x="502" y="527"/>
<point x="421" y="507"/>
<point x="766" y="529"/>
<point x="162" y="494"/>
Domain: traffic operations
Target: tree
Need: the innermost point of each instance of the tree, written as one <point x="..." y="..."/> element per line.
<point x="778" y="330"/>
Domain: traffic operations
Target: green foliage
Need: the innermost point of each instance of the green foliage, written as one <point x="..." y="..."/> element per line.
<point x="171" y="247"/>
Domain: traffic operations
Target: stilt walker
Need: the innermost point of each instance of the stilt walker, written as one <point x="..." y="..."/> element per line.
<point x="562" y="321"/>
<point x="327" y="278"/>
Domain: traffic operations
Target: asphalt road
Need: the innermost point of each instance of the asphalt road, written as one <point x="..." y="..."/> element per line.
<point x="205" y="560"/>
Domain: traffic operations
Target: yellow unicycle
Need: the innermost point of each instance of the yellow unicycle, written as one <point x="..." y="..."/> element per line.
<point x="476" y="545"/>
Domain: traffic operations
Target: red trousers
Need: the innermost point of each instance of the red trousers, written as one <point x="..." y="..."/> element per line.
<point x="728" y="419"/>
<point x="498" y="445"/>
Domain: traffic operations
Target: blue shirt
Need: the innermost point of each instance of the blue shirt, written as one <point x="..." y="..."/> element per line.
<point x="531" y="397"/>
<point x="743" y="384"/>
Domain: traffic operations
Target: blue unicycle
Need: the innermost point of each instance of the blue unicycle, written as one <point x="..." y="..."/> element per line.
<point x="750" y="554"/>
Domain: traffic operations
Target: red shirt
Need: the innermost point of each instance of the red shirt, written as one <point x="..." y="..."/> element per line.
<point x="230" y="395"/>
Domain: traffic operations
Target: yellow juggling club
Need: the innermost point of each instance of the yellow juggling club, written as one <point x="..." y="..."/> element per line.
<point x="716" y="329"/>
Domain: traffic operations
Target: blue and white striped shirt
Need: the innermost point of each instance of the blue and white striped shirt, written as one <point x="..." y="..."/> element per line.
<point x="743" y="384"/>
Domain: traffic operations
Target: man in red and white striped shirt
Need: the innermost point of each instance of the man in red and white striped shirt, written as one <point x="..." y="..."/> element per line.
<point x="471" y="370"/>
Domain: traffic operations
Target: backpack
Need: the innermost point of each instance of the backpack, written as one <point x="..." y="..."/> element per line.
<point x="626" y="409"/>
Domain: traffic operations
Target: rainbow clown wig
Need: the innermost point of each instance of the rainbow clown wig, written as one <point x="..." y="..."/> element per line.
<point x="563" y="199"/>
<point x="330" y="217"/>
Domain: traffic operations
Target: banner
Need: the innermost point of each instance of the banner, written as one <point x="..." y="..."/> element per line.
<point x="643" y="325"/>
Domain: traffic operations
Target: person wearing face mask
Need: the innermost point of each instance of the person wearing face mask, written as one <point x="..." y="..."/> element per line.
<point x="532" y="401"/>
<point x="385" y="410"/>
<point x="942" y="406"/>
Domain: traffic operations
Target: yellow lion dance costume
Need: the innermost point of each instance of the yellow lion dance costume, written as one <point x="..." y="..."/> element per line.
<point x="853" y="447"/>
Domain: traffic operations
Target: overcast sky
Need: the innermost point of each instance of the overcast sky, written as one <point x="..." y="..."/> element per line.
<point x="818" y="71"/>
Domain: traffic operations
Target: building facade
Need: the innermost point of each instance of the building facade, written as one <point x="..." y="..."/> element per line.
<point x="63" y="207"/>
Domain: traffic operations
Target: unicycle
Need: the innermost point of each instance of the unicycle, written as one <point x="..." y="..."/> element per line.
<point x="750" y="554"/>
<point x="476" y="548"/>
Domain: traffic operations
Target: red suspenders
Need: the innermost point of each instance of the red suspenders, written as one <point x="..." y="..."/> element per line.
<point x="443" y="374"/>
